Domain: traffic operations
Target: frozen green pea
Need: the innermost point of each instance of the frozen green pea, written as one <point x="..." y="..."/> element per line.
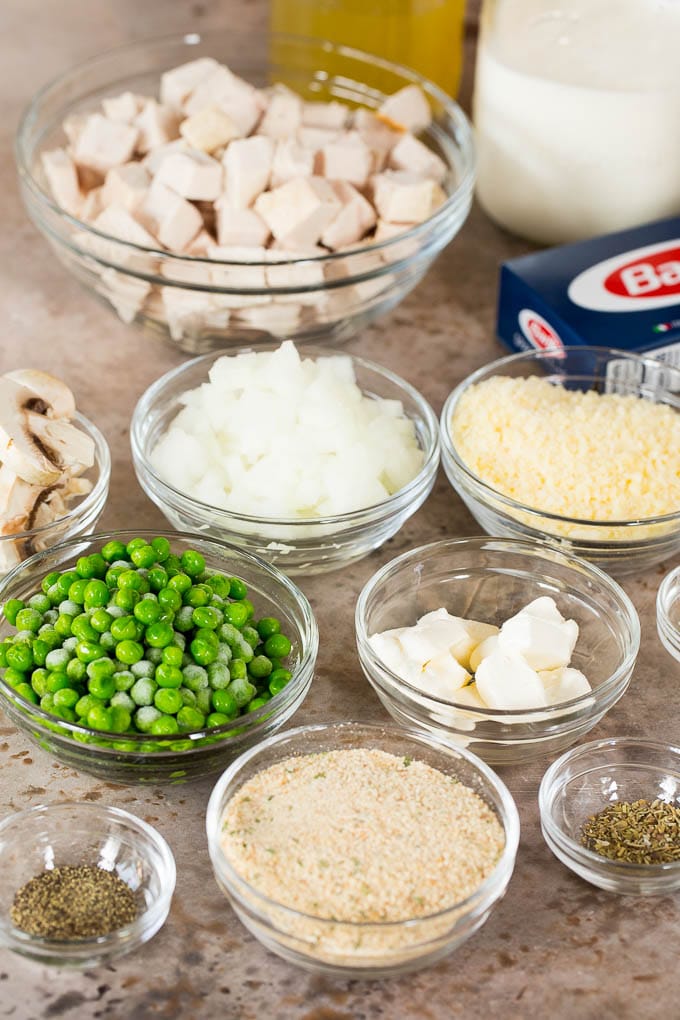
<point x="70" y="644"/>
<point x="58" y="658"/>
<point x="124" y="680"/>
<point x="188" y="697"/>
<point x="107" y="640"/>
<point x="218" y="676"/>
<point x="40" y="602"/>
<point x="204" y="700"/>
<point x="142" y="668"/>
<point x="115" y="611"/>
<point x="154" y="655"/>
<point x="145" y="716"/>
<point x="224" y="653"/>
<point x="143" y="691"/>
<point x="195" y="678"/>
<point x="122" y="699"/>
<point x="242" y="691"/>
<point x="50" y="617"/>
<point x="69" y="608"/>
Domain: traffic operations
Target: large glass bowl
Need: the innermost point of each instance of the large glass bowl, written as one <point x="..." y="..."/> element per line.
<point x="81" y="515"/>
<point x="135" y="757"/>
<point x="296" y="545"/>
<point x="357" y="285"/>
<point x="584" y="782"/>
<point x="347" y="949"/>
<point x="489" y="580"/>
<point x="620" y="547"/>
<point x="54" y="835"/>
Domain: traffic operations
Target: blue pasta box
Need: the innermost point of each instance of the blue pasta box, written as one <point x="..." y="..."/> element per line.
<point x="620" y="290"/>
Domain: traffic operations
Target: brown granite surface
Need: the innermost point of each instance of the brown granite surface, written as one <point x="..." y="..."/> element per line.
<point x="555" y="947"/>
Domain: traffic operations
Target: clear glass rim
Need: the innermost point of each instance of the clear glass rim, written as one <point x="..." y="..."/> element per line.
<point x="667" y="596"/>
<point x="170" y="494"/>
<point x="527" y="547"/>
<point x="486" y="893"/>
<point x="299" y="681"/>
<point x="457" y="199"/>
<point x="494" y="496"/>
<point x="165" y="868"/>
<point x="552" y="783"/>
<point x="92" y="499"/>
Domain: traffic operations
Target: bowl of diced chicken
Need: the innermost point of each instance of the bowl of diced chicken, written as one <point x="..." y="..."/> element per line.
<point x="219" y="189"/>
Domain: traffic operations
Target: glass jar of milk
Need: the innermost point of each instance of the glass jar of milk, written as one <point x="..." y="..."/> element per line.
<point x="577" y="115"/>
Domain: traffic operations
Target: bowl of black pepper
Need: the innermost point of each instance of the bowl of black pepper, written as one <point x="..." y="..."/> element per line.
<point x="610" y="811"/>
<point x="82" y="883"/>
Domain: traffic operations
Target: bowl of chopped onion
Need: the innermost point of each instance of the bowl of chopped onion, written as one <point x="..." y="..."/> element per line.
<point x="509" y="648"/>
<point x="310" y="462"/>
<point x="577" y="444"/>
<point x="229" y="186"/>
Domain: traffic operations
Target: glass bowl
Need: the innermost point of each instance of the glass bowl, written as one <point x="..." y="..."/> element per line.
<point x="338" y="294"/>
<point x="489" y="580"/>
<point x="81" y="515"/>
<point x="135" y="757"/>
<point x="583" y="782"/>
<point x="347" y="949"/>
<point x="297" y="545"/>
<point x="619" y="547"/>
<point x="668" y="613"/>
<point x="54" y="835"/>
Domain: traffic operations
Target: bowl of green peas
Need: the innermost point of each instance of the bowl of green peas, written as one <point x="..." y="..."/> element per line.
<point x="152" y="658"/>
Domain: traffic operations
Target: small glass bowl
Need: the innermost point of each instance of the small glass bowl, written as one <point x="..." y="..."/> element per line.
<point x="619" y="547"/>
<point x="138" y="757"/>
<point x="363" y="950"/>
<point x="80" y="517"/>
<point x="335" y="294"/>
<point x="296" y="545"/>
<point x="54" y="835"/>
<point x="668" y="613"/>
<point x="583" y="782"/>
<point x="489" y="580"/>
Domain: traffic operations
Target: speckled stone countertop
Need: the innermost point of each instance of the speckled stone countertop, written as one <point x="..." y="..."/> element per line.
<point x="555" y="947"/>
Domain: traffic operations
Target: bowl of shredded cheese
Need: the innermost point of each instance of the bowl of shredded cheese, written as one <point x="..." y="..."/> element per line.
<point x="577" y="444"/>
<point x="361" y="850"/>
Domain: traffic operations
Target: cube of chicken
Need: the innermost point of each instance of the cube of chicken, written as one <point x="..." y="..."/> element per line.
<point x="157" y="125"/>
<point x="192" y="174"/>
<point x="247" y="168"/>
<point x="355" y="219"/>
<point x="236" y="97"/>
<point x="325" y="115"/>
<point x="104" y="143"/>
<point x="62" y="178"/>
<point x="125" y="185"/>
<point x="378" y="136"/>
<point x="240" y="227"/>
<point x="174" y="221"/>
<point x="408" y="108"/>
<point x="291" y="160"/>
<point x="178" y="84"/>
<point x="401" y="197"/>
<point x="298" y="212"/>
<point x="124" y="107"/>
<point x="283" y="115"/>
<point x="412" y="155"/>
<point x="348" y="158"/>
<point x="209" y="129"/>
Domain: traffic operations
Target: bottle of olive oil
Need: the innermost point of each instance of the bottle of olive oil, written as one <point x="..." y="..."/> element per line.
<point x="425" y="35"/>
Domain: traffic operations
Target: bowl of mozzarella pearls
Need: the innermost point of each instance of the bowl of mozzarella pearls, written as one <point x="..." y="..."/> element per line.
<point x="511" y="648"/>
<point x="310" y="461"/>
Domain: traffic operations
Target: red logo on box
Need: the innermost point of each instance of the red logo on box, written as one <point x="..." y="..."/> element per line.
<point x="538" y="331"/>
<point x="659" y="274"/>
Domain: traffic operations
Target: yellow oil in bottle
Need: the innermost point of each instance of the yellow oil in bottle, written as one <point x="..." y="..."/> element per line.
<point x="425" y="35"/>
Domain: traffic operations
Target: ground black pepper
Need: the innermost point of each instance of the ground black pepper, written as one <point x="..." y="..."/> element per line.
<point x="73" y="902"/>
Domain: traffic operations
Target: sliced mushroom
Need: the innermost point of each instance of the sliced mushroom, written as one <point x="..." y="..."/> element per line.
<point x="19" y="502"/>
<point x="51" y="396"/>
<point x="19" y="449"/>
<point x="65" y="444"/>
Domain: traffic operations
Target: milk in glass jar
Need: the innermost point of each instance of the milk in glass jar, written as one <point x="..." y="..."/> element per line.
<point x="577" y="115"/>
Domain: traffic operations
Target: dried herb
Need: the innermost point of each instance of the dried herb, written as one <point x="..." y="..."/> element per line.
<point x="73" y="902"/>
<point x="640" y="832"/>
